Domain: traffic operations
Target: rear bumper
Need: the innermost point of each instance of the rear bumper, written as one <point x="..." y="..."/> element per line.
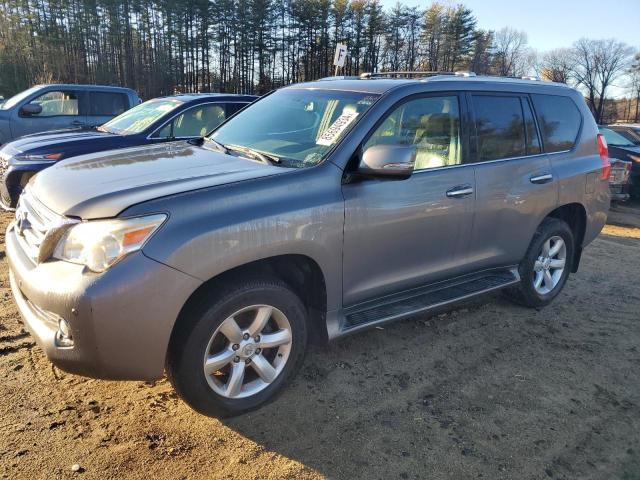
<point x="121" y="320"/>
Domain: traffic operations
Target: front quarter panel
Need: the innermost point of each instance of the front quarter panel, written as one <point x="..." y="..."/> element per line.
<point x="211" y="231"/>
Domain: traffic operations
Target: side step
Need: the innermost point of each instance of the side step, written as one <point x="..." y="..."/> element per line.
<point x="422" y="299"/>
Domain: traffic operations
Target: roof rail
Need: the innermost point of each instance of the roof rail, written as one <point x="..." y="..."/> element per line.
<point x="531" y="77"/>
<point x="416" y="73"/>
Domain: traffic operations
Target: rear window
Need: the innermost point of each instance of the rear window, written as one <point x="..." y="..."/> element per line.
<point x="107" y="103"/>
<point x="559" y="120"/>
<point x="500" y="127"/>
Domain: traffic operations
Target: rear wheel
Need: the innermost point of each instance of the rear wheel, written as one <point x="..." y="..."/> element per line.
<point x="546" y="266"/>
<point x="235" y="353"/>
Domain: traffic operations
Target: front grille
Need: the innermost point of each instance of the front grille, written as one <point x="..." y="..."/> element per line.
<point x="37" y="227"/>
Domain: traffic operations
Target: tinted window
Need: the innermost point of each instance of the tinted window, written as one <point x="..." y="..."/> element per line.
<point x="432" y="124"/>
<point x="559" y="121"/>
<point x="195" y="122"/>
<point x="57" y="103"/>
<point x="107" y="103"/>
<point x="500" y="127"/>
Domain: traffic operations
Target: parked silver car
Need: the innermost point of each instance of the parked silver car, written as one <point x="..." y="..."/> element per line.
<point x="318" y="211"/>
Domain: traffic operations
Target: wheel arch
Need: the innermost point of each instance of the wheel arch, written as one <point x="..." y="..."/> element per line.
<point x="300" y="272"/>
<point x="574" y="215"/>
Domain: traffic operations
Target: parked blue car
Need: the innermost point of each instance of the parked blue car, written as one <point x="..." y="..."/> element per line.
<point x="58" y="106"/>
<point x="159" y="120"/>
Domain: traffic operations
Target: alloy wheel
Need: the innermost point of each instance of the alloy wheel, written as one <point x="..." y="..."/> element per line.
<point x="248" y="351"/>
<point x="549" y="267"/>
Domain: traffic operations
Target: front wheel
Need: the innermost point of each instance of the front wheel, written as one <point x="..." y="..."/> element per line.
<point x="546" y="266"/>
<point x="235" y="353"/>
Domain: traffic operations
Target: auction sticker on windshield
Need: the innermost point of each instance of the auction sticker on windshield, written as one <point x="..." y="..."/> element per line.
<point x="331" y="134"/>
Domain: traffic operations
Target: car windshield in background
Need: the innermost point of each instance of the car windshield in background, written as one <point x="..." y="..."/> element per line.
<point x="296" y="126"/>
<point x="140" y="117"/>
<point x="17" y="98"/>
<point x="615" y="139"/>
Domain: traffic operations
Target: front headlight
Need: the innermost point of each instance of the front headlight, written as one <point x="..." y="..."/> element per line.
<point x="99" y="244"/>
<point x="46" y="157"/>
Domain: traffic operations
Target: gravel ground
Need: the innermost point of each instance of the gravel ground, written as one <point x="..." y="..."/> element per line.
<point x="489" y="390"/>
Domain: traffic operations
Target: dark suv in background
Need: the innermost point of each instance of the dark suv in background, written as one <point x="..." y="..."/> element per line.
<point x="320" y="210"/>
<point x="179" y="117"/>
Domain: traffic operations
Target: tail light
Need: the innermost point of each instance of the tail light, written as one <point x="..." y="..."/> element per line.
<point x="604" y="157"/>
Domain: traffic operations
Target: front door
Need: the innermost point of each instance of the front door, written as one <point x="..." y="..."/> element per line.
<point x="401" y="234"/>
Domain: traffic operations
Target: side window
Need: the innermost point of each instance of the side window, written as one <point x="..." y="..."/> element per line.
<point x="57" y="103"/>
<point x="559" y="120"/>
<point x="194" y="122"/>
<point x="499" y="126"/>
<point x="432" y="124"/>
<point x="107" y="104"/>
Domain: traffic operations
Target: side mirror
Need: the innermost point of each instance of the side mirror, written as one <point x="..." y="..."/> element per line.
<point x="31" y="109"/>
<point x="391" y="161"/>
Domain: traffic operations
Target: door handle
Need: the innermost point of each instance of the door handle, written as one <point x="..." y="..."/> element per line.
<point x="544" y="178"/>
<point x="460" y="191"/>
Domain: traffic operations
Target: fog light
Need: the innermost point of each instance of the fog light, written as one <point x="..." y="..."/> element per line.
<point x="63" y="335"/>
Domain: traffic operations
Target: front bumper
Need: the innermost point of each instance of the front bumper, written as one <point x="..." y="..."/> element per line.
<point x="121" y="320"/>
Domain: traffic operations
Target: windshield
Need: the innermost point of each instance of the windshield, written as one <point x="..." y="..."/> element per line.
<point x="615" y="139"/>
<point x="296" y="126"/>
<point x="140" y="117"/>
<point x="18" y="98"/>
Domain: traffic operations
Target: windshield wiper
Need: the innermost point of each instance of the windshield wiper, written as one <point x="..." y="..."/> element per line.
<point x="263" y="157"/>
<point x="216" y="144"/>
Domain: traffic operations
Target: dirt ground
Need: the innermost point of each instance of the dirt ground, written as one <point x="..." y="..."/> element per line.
<point x="489" y="390"/>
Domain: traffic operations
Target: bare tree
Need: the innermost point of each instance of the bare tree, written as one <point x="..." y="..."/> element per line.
<point x="510" y="52"/>
<point x="557" y="65"/>
<point x="597" y="64"/>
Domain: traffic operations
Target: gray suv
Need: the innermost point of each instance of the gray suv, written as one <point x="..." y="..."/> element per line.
<point x="320" y="210"/>
<point x="60" y="107"/>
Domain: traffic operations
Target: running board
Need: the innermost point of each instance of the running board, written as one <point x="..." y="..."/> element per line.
<point x="423" y="299"/>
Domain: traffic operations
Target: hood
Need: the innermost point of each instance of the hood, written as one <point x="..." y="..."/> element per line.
<point x="57" y="140"/>
<point x="104" y="184"/>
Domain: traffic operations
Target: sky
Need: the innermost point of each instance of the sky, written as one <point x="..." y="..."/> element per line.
<point x="554" y="23"/>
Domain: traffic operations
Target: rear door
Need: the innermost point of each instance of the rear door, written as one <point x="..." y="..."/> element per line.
<point x="515" y="184"/>
<point x="400" y="234"/>
<point x="103" y="106"/>
<point x="62" y="108"/>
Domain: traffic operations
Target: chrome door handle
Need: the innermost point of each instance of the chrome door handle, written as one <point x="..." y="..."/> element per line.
<point x="461" y="191"/>
<point x="544" y="178"/>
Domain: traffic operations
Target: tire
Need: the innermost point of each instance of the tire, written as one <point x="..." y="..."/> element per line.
<point x="200" y="334"/>
<point x="526" y="292"/>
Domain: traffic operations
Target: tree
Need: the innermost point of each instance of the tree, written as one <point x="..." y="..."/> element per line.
<point x="596" y="65"/>
<point x="510" y="53"/>
<point x="557" y="65"/>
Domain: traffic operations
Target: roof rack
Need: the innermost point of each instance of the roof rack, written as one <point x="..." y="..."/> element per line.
<point x="427" y="73"/>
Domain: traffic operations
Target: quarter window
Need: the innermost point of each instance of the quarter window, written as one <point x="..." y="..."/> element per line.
<point x="57" y="103"/>
<point x="432" y="124"/>
<point x="559" y="121"/>
<point x="500" y="127"/>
